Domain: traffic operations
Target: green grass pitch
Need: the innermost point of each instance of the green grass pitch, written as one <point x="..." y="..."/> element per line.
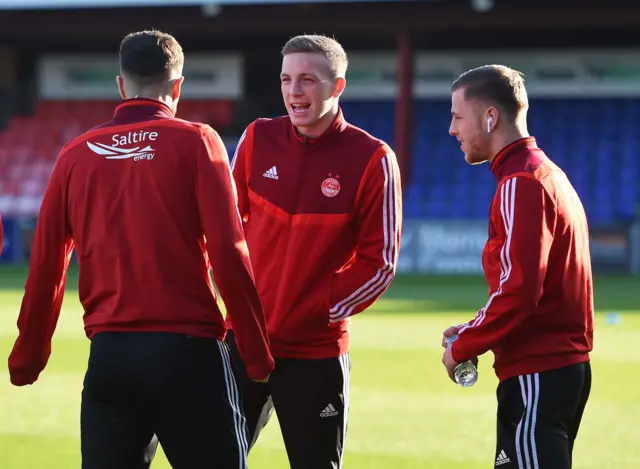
<point x="405" y="413"/>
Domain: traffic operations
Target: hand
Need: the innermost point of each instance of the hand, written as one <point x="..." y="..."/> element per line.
<point x="449" y="332"/>
<point x="263" y="380"/>
<point x="448" y="362"/>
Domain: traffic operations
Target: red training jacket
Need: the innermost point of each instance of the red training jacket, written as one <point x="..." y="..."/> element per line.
<point x="322" y="219"/>
<point x="538" y="267"/>
<point x="148" y="202"/>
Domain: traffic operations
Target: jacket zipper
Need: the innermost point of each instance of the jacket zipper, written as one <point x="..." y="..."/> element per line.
<point x="286" y="245"/>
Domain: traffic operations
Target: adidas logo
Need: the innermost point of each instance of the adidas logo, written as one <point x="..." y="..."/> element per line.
<point x="271" y="173"/>
<point x="329" y="411"/>
<point x="502" y="458"/>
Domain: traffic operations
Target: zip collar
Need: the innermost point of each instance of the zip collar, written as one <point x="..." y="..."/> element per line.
<point x="517" y="146"/>
<point x="143" y="107"/>
<point x="337" y="126"/>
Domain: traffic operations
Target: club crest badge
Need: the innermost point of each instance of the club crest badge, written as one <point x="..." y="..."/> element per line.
<point x="331" y="186"/>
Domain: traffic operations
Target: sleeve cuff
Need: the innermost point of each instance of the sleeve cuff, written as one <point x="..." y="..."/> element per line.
<point x="260" y="371"/>
<point x="23" y="377"/>
<point x="457" y="353"/>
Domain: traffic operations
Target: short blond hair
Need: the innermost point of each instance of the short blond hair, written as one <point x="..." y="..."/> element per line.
<point x="316" y="43"/>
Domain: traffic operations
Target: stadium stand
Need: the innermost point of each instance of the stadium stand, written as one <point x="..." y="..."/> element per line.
<point x="30" y="145"/>
<point x="592" y="139"/>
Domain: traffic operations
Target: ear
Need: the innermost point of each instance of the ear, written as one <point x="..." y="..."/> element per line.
<point x="491" y="115"/>
<point x="120" y="82"/>
<point x="339" y="87"/>
<point x="177" y="88"/>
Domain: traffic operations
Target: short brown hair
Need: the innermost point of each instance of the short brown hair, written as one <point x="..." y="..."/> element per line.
<point x="317" y="43"/>
<point x="495" y="84"/>
<point x="150" y="57"/>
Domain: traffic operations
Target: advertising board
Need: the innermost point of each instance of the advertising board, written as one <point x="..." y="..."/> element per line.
<point x="565" y="74"/>
<point x="10" y="249"/>
<point x="442" y="247"/>
<point x="455" y="247"/>
<point x="75" y="76"/>
<point x="433" y="247"/>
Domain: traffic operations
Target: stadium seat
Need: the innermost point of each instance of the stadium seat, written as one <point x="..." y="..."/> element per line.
<point x="26" y="162"/>
<point x="593" y="140"/>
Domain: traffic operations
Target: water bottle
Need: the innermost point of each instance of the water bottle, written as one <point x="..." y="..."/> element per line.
<point x="466" y="374"/>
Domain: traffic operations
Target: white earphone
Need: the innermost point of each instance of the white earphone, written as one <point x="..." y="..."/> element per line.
<point x="489" y="122"/>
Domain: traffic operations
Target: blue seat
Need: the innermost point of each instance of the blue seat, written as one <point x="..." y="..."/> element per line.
<point x="595" y="141"/>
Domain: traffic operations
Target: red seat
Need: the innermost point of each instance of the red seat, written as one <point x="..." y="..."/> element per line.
<point x="30" y="145"/>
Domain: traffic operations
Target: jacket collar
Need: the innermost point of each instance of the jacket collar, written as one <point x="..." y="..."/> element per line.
<point x="338" y="125"/>
<point x="142" y="107"/>
<point x="518" y="146"/>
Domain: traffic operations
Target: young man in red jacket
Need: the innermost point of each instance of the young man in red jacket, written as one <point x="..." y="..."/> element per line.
<point x="538" y="320"/>
<point x="147" y="200"/>
<point x="321" y="204"/>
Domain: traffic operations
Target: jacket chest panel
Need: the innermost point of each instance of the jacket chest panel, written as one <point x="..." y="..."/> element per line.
<point x="308" y="181"/>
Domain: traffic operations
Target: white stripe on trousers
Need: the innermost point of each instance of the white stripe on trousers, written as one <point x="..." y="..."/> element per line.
<point x="345" y="364"/>
<point x="526" y="450"/>
<point x="233" y="394"/>
<point x="390" y="228"/>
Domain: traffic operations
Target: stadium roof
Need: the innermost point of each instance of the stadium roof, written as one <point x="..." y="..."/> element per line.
<point x="59" y="4"/>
